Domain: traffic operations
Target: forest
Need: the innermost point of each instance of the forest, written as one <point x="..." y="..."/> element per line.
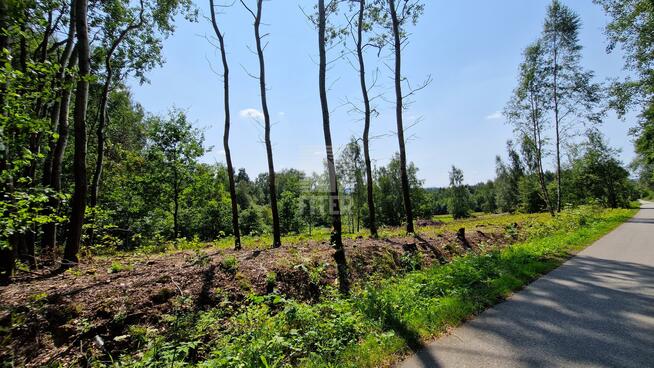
<point x="120" y="246"/>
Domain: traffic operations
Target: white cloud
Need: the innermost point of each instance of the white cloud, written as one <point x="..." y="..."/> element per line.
<point x="494" y="116"/>
<point x="251" y="114"/>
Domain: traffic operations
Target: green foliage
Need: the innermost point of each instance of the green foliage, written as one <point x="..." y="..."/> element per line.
<point x="531" y="197"/>
<point x="229" y="264"/>
<point x="458" y="204"/>
<point x="388" y="193"/>
<point x="631" y="27"/>
<point x="574" y="94"/>
<point x="411" y="261"/>
<point x="289" y="337"/>
<point x="508" y="180"/>
<point x="24" y="203"/>
<point x="271" y="280"/>
<point x="251" y="221"/>
<point x="288" y="212"/>
<point x="597" y="174"/>
<point x="118" y="267"/>
<point x="100" y="233"/>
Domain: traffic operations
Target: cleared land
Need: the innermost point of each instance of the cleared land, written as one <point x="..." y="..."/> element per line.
<point x="213" y="306"/>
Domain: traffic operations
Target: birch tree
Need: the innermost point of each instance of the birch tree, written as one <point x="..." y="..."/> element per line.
<point x="277" y="238"/>
<point x="228" y="155"/>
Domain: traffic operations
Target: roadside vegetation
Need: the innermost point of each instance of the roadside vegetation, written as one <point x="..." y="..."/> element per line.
<point x="282" y="308"/>
<point x="121" y="246"/>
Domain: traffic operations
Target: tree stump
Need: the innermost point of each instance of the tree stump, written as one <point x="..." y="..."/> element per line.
<point x="461" y="236"/>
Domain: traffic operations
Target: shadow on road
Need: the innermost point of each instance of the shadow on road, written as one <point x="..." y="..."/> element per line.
<point x="412" y="339"/>
<point x="572" y="317"/>
<point x="590" y="312"/>
<point x="641" y="221"/>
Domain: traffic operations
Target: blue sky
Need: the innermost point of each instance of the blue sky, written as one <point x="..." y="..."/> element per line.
<point x="471" y="49"/>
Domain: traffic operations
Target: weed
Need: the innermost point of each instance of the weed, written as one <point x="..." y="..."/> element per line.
<point x="229" y="264"/>
<point x="119" y="267"/>
<point x="271" y="280"/>
<point x="199" y="258"/>
<point x="411" y="261"/>
<point x="243" y="281"/>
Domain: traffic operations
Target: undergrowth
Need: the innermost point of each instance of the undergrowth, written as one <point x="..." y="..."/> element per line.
<point x="377" y="323"/>
<point x="158" y="244"/>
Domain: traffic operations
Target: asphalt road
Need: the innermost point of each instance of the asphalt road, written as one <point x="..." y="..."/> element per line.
<point x="596" y="310"/>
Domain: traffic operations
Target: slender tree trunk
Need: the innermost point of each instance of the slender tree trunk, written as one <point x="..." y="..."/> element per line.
<point x="397" y="45"/>
<point x="366" y="126"/>
<point x="310" y="218"/>
<point x="543" y="186"/>
<point x="100" y="134"/>
<point x="23" y="43"/>
<point x="539" y="158"/>
<point x="277" y="239"/>
<point x="28" y="238"/>
<point x="334" y="205"/>
<point x="52" y="171"/>
<point x="46" y="176"/>
<point x="7" y="261"/>
<point x="49" y="240"/>
<point x="104" y="98"/>
<point x="228" y="155"/>
<point x="176" y="204"/>
<point x="78" y="203"/>
<point x="556" y="126"/>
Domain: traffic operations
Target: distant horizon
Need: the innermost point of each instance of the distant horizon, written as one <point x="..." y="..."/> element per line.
<point x="473" y="75"/>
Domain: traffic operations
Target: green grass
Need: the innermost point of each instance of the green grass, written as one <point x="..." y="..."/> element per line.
<point x="447" y="218"/>
<point x="486" y="222"/>
<point x="382" y="320"/>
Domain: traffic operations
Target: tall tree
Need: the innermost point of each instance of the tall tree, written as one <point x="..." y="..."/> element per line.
<point x="228" y="155"/>
<point x="361" y="25"/>
<point x="400" y="15"/>
<point x="458" y="204"/>
<point x="598" y="174"/>
<point x="27" y="90"/>
<point x="508" y="180"/>
<point x="176" y="146"/>
<point x="78" y="203"/>
<point x="631" y="28"/>
<point x="52" y="167"/>
<point x="114" y="38"/>
<point x="526" y="111"/>
<point x="334" y="206"/>
<point x="573" y="94"/>
<point x="277" y="239"/>
<point x="388" y="191"/>
<point x="349" y="168"/>
<point x="130" y="43"/>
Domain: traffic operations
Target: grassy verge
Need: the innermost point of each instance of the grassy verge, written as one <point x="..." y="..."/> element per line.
<point x="423" y="304"/>
<point x="378" y="323"/>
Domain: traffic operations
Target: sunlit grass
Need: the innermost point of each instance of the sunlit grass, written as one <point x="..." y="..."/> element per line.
<point x="479" y="221"/>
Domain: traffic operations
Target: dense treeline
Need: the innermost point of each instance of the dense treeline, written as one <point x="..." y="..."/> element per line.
<point x="82" y="164"/>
